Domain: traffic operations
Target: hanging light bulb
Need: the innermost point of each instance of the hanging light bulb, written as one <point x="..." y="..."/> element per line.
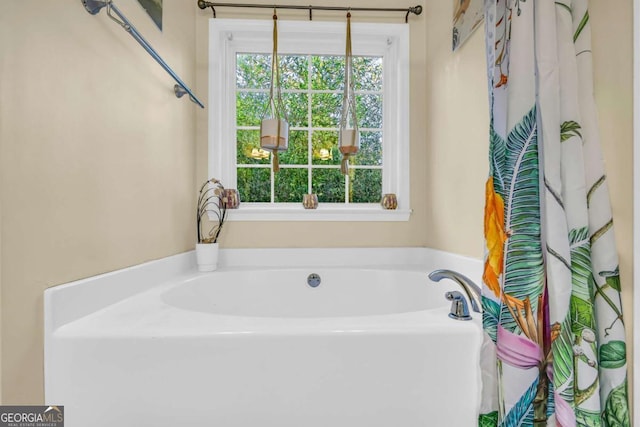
<point x="274" y="127"/>
<point x="349" y="139"/>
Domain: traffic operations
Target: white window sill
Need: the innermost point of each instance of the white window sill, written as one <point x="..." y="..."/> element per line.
<point x="324" y="212"/>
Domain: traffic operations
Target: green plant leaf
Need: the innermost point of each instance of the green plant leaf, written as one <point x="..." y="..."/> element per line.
<point x="612" y="278"/>
<point x="524" y="268"/>
<point x="488" y="420"/>
<point x="581" y="270"/>
<point x="569" y="129"/>
<point x="581" y="315"/>
<point x="490" y="317"/>
<point x="614" y="282"/>
<point x="567" y="8"/>
<point x="616" y="410"/>
<point x="586" y="418"/>
<point x="497" y="153"/>
<point x="613" y="354"/>
<point x="562" y="350"/>
<point x="583" y="23"/>
<point x="551" y="400"/>
<point x="583" y="284"/>
<point x="521" y="414"/>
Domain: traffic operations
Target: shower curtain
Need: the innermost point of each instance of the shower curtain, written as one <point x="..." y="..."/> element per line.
<point x="554" y="352"/>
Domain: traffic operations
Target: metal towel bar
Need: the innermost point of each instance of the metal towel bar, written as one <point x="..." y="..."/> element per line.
<point x="94" y="6"/>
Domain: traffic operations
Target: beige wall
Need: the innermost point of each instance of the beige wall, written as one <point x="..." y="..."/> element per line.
<point x="97" y="158"/>
<point x="457" y="136"/>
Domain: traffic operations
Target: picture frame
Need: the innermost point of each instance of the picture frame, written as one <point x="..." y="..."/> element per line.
<point x="154" y="10"/>
<point x="467" y="16"/>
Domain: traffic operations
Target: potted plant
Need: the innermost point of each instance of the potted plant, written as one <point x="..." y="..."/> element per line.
<point x="211" y="202"/>
<point x="349" y="136"/>
<point x="274" y="126"/>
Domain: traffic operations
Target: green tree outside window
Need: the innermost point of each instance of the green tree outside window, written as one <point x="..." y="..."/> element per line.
<point x="312" y="92"/>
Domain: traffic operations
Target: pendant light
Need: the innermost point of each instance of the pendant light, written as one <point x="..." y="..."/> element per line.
<point x="349" y="139"/>
<point x="274" y="127"/>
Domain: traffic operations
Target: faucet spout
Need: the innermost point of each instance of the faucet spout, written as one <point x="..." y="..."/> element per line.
<point x="471" y="289"/>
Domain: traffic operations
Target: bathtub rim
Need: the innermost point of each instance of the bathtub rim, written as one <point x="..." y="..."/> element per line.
<point x="71" y="301"/>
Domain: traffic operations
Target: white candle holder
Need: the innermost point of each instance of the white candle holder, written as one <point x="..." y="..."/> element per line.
<point x="274" y="134"/>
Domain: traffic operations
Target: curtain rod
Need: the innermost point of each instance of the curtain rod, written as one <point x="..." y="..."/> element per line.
<point x="202" y="4"/>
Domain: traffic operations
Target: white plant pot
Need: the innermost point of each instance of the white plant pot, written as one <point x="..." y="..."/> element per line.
<point x="272" y="138"/>
<point x="349" y="141"/>
<point x="207" y="256"/>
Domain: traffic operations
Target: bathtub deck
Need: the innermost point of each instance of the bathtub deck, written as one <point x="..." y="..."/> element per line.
<point x="140" y="361"/>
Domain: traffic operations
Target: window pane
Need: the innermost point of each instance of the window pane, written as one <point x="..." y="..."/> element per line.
<point x="325" y="110"/>
<point x="328" y="184"/>
<point x="369" y="111"/>
<point x="365" y="185"/>
<point x="249" y="108"/>
<point x="325" y="148"/>
<point x="370" y="152"/>
<point x="294" y="72"/>
<point x="290" y="185"/>
<point x="298" y="151"/>
<point x="254" y="184"/>
<point x="253" y="71"/>
<point x="327" y="72"/>
<point x="248" y="148"/>
<point x="297" y="106"/>
<point x="367" y="73"/>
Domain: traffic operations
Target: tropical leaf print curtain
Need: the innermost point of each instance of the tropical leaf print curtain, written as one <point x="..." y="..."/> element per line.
<point x="554" y="351"/>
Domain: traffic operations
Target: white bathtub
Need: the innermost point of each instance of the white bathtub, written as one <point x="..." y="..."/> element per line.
<point x="247" y="347"/>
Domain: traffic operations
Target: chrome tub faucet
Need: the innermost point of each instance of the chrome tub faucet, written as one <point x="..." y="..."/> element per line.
<point x="459" y="309"/>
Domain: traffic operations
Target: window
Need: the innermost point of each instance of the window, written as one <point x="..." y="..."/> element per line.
<point x="312" y="63"/>
<point x="312" y="88"/>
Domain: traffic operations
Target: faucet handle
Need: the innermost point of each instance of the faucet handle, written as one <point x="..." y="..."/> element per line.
<point x="472" y="290"/>
<point x="459" y="307"/>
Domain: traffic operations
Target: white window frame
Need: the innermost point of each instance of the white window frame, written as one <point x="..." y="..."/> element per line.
<point x="227" y="37"/>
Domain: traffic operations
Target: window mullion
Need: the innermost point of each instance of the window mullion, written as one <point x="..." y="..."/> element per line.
<point x="273" y="183"/>
<point x="346" y="188"/>
<point x="309" y="126"/>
